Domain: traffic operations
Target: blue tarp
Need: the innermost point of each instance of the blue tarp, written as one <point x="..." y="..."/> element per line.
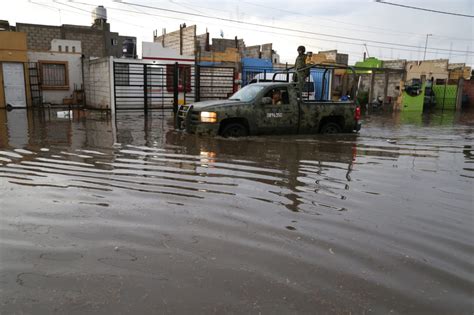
<point x="317" y="75"/>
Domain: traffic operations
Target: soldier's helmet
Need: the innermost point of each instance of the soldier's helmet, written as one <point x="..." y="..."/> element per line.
<point x="301" y="48"/>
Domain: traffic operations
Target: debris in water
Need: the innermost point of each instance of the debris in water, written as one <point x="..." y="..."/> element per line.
<point x="391" y="141"/>
<point x="330" y="250"/>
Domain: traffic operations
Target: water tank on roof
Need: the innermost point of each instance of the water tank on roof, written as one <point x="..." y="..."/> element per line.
<point x="99" y="13"/>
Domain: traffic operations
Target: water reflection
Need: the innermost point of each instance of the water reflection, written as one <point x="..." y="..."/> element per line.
<point x="377" y="222"/>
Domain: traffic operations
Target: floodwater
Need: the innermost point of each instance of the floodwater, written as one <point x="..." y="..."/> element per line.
<point x="129" y="216"/>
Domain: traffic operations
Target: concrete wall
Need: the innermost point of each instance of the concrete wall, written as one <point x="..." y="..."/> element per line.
<point x="429" y="68"/>
<point x="393" y="79"/>
<point x="74" y="66"/>
<point x="97" y="83"/>
<point x="398" y="64"/>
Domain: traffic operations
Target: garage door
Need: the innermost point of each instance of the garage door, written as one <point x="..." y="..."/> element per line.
<point x="14" y="84"/>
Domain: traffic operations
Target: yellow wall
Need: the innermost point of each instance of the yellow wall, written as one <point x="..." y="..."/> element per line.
<point x="13" y="48"/>
<point x="2" y="96"/>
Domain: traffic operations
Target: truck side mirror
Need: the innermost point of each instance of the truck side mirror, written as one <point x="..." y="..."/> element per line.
<point x="266" y="100"/>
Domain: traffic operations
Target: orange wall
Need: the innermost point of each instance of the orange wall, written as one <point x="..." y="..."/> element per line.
<point x="230" y="55"/>
<point x="13" y="48"/>
<point x="2" y="96"/>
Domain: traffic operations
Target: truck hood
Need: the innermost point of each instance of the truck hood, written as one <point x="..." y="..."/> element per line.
<point x="209" y="105"/>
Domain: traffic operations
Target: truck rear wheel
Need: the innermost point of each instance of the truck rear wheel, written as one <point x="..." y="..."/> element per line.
<point x="234" y="130"/>
<point x="330" y="128"/>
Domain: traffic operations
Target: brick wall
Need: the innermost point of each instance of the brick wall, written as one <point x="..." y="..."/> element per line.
<point x="39" y="37"/>
<point x="267" y="51"/>
<point x="222" y="44"/>
<point x="97" y="83"/>
<point x="95" y="42"/>
<point x="173" y="40"/>
<point x="252" y="52"/>
<point x="92" y="41"/>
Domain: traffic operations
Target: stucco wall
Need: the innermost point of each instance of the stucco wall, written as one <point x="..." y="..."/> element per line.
<point x="74" y="66"/>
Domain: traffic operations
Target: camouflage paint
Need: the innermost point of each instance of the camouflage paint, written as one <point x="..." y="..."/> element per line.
<point x="269" y="119"/>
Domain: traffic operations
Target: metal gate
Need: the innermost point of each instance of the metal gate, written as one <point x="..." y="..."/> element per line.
<point x="146" y="87"/>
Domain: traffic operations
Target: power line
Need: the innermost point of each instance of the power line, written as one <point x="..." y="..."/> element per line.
<point x="313" y="38"/>
<point x="424" y="9"/>
<point x="280" y="28"/>
<point x="387" y="30"/>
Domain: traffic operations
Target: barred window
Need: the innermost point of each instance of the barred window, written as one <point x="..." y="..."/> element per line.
<point x="54" y="75"/>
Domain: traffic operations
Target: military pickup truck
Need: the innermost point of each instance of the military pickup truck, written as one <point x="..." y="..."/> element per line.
<point x="268" y="108"/>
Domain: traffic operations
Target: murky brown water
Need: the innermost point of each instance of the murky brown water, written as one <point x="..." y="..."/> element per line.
<point x="132" y="217"/>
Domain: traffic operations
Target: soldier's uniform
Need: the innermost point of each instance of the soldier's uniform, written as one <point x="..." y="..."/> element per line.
<point x="300" y="63"/>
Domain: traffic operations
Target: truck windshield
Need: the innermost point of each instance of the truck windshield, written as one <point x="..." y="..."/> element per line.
<point x="248" y="93"/>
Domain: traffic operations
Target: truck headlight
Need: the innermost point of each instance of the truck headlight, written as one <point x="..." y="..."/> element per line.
<point x="209" y="117"/>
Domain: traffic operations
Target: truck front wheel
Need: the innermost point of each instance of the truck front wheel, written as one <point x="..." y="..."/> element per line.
<point x="330" y="128"/>
<point x="234" y="130"/>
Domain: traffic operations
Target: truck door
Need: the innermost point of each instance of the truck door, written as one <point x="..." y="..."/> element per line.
<point x="278" y="112"/>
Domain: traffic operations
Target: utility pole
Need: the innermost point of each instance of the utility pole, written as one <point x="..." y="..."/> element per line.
<point x="426" y="45"/>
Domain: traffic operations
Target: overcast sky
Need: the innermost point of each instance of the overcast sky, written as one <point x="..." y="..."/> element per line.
<point x="358" y="21"/>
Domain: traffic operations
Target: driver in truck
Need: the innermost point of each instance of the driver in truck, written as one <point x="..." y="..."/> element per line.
<point x="276" y="97"/>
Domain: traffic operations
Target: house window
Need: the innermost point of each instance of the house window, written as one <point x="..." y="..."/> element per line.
<point x="67" y="48"/>
<point x="54" y="75"/>
<point x="113" y="41"/>
<point x="122" y="74"/>
<point x="184" y="78"/>
<point x="60" y="48"/>
<point x="73" y="49"/>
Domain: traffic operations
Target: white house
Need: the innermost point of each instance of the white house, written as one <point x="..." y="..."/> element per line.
<point x="60" y="70"/>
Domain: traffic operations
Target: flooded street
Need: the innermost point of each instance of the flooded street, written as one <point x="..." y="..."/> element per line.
<point x="132" y="217"/>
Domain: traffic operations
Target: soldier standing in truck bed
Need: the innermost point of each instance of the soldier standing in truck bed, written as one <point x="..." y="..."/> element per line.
<point x="300" y="64"/>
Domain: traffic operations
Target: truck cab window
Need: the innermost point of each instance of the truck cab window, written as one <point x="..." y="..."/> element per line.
<point x="278" y="96"/>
